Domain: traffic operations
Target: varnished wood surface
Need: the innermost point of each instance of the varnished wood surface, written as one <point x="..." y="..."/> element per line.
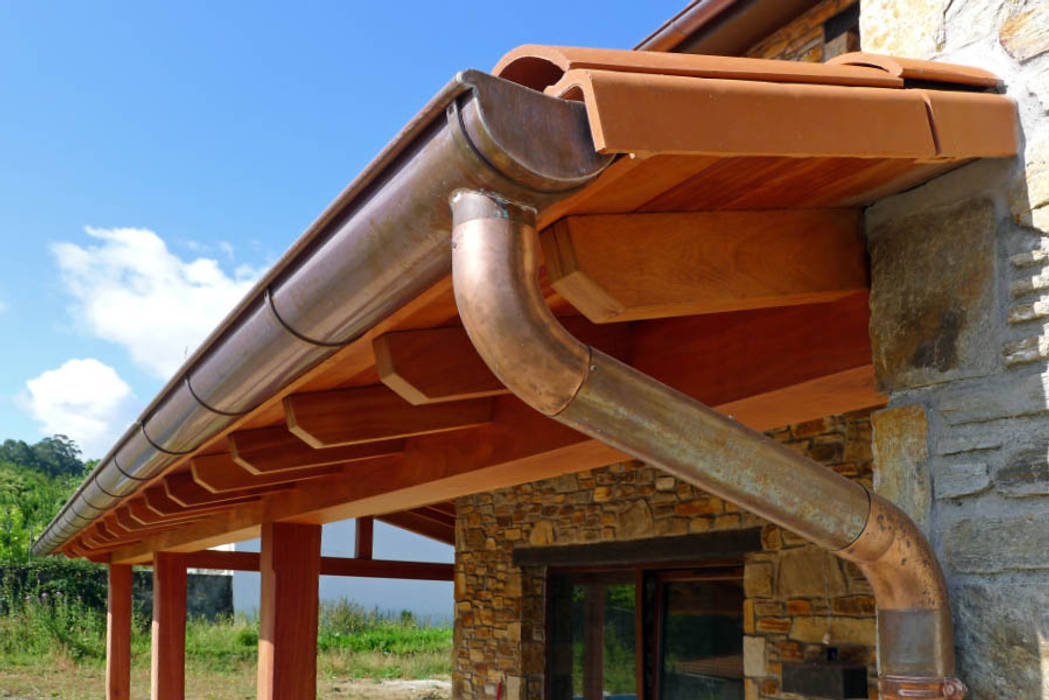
<point x="118" y="633"/>
<point x="168" y="673"/>
<point x="289" y="568"/>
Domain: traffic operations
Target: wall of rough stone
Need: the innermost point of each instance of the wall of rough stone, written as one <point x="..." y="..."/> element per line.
<point x="804" y="39"/>
<point x="960" y="304"/>
<point x="795" y="593"/>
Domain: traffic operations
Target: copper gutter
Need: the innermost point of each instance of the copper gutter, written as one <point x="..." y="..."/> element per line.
<point x="378" y="246"/>
<point x="684" y="24"/>
<point x="495" y="263"/>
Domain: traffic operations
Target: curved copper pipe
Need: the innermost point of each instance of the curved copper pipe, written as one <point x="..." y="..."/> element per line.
<point x="494" y="268"/>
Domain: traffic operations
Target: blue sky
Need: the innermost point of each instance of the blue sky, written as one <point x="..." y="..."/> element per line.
<point x="155" y="158"/>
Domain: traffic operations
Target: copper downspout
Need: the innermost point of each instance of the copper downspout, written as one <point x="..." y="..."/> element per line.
<point x="494" y="268"/>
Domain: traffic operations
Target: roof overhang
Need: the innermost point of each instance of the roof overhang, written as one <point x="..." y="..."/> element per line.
<point x="342" y="385"/>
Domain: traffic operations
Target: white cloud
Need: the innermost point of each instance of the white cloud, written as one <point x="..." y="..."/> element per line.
<point x="84" y="399"/>
<point x="3" y="306"/>
<point x="132" y="290"/>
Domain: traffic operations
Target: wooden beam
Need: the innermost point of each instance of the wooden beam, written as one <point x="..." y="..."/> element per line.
<point x="114" y="525"/>
<point x="626" y="267"/>
<point x="366" y="414"/>
<point x="183" y="489"/>
<point x="168" y="674"/>
<point x="354" y="567"/>
<point x="276" y="449"/>
<point x="158" y="500"/>
<point x="363" y="537"/>
<point x="384" y="568"/>
<point x="103" y="532"/>
<point x="717" y="358"/>
<point x="118" y="633"/>
<point x="135" y="515"/>
<point x="729" y="546"/>
<point x="288" y="608"/>
<point x="440" y="364"/>
<point x="413" y="521"/>
<point x="724" y="358"/>
<point x="221" y="474"/>
<point x="433" y="365"/>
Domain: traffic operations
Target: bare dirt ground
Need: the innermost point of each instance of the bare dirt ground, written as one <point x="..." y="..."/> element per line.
<point x="393" y="690"/>
<point x="71" y="682"/>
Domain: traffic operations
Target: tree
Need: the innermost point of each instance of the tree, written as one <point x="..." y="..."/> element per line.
<point x="55" y="456"/>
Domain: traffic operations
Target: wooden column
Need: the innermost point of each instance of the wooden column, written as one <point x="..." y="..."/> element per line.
<point x="169" y="627"/>
<point x="118" y="634"/>
<point x="363" y="529"/>
<point x="290" y="570"/>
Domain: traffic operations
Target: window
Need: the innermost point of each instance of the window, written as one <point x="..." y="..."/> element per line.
<point x="634" y="632"/>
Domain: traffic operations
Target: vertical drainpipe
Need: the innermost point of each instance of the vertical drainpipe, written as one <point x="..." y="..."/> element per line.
<point x="494" y="268"/>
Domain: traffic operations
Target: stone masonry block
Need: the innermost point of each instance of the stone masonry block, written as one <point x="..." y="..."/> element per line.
<point x="1025" y="474"/>
<point x="757" y="579"/>
<point x="809" y="572"/>
<point x="843" y="630"/>
<point x="754" y="663"/>
<point x="913" y="28"/>
<point x="1001" y="632"/>
<point x="933" y="302"/>
<point x="1025" y="34"/>
<point x="997" y="545"/>
<point x="954" y="480"/>
<point x="900" y="454"/>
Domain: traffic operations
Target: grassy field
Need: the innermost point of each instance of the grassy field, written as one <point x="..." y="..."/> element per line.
<point x="55" y="648"/>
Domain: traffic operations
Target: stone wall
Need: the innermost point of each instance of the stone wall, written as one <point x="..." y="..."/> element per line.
<point x="960" y="303"/>
<point x="806" y="38"/>
<point x="795" y="593"/>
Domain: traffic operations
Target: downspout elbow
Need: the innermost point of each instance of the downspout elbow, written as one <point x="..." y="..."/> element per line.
<point x="495" y="261"/>
<point x="915" y="631"/>
<point x="502" y="309"/>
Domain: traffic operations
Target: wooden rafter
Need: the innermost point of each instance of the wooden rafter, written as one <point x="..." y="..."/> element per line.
<point x="624" y="267"/>
<point x="276" y="449"/>
<point x="368" y="414"/>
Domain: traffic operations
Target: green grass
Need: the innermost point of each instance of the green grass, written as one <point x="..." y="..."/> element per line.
<point x="352" y="642"/>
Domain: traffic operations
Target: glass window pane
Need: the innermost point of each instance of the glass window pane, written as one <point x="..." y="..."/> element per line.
<point x="702" y="641"/>
<point x="592" y="639"/>
<point x="620" y="647"/>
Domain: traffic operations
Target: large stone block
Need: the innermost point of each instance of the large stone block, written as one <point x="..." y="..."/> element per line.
<point x="1011" y="396"/>
<point x="1025" y="34"/>
<point x="914" y="28"/>
<point x="933" y="302"/>
<point x="901" y="450"/>
<point x="809" y="572"/>
<point x="754" y="665"/>
<point x="1002" y="634"/>
<point x="955" y="480"/>
<point x="842" y="630"/>
<point x="997" y="545"/>
<point x="1025" y="474"/>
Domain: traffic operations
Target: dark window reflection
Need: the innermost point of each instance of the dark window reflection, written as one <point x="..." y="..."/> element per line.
<point x="702" y="640"/>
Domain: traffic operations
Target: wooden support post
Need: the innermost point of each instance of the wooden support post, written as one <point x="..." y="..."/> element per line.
<point x="118" y="634"/>
<point x="290" y="571"/>
<point x="364" y="536"/>
<point x="168" y="676"/>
